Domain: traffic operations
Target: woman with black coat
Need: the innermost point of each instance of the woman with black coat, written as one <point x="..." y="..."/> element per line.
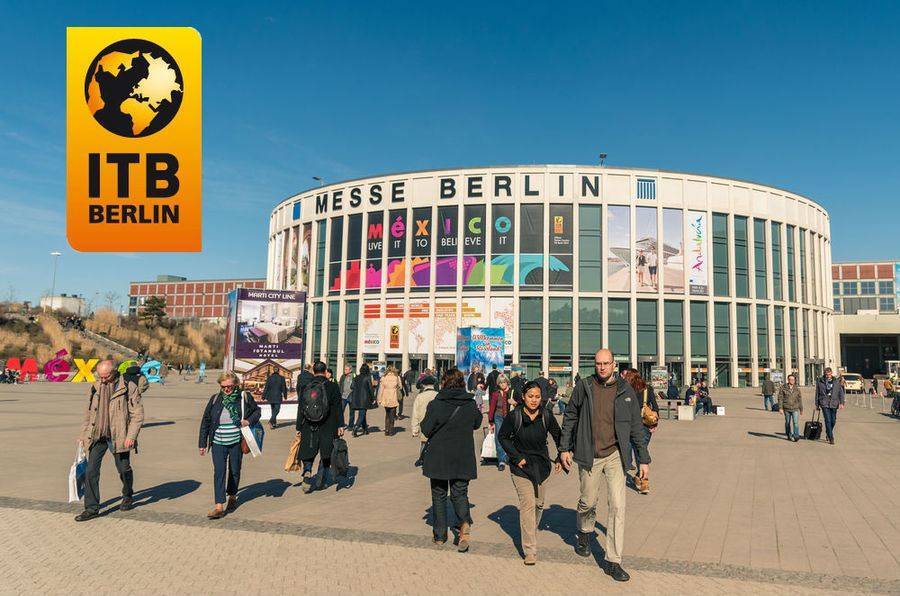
<point x="524" y="438"/>
<point x="220" y="433"/>
<point x="362" y="398"/>
<point x="449" y="457"/>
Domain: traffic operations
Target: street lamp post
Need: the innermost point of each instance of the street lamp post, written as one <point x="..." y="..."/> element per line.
<point x="55" y="254"/>
<point x="320" y="180"/>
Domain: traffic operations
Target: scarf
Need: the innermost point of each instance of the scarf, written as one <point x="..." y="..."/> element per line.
<point x="230" y="403"/>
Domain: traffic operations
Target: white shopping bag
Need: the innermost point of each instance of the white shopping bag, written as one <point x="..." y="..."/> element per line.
<point x="248" y="434"/>
<point x="488" y="447"/>
<point x="76" y="475"/>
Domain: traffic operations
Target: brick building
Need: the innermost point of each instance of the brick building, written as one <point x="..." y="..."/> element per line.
<point x="188" y="299"/>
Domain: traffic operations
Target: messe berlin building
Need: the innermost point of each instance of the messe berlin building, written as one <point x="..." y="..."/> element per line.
<point x="697" y="273"/>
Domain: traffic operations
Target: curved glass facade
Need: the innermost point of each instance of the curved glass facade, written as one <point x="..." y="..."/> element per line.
<point x="697" y="273"/>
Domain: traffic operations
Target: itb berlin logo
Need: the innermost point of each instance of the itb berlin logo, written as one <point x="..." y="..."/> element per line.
<point x="133" y="148"/>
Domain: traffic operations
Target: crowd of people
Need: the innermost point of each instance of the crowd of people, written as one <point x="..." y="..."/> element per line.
<point x="606" y="424"/>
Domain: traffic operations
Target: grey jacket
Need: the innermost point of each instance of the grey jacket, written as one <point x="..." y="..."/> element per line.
<point x="789" y="399"/>
<point x="823" y="400"/>
<point x="578" y="437"/>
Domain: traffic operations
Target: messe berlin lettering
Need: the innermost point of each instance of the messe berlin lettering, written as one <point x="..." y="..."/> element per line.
<point x="473" y="187"/>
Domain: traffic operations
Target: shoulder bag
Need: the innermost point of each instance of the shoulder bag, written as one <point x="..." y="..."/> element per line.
<point x="648" y="416"/>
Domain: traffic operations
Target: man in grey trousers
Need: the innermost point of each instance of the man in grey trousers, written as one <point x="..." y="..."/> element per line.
<point x="602" y="421"/>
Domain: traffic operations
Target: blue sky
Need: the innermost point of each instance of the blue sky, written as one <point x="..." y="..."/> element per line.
<point x="801" y="95"/>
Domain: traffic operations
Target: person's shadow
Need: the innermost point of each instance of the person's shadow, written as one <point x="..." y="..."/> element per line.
<point x="345" y="482"/>
<point x="166" y="490"/>
<point x="563" y="522"/>
<point x="274" y="487"/>
<point x="768" y="435"/>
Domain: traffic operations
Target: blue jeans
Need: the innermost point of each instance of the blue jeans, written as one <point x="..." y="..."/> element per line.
<point x="792" y="418"/>
<point x="226" y="463"/>
<point x="501" y="455"/>
<point x="768" y="402"/>
<point x="830" y="416"/>
<point x="634" y="452"/>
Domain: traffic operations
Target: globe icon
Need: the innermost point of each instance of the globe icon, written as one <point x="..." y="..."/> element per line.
<point x="133" y="88"/>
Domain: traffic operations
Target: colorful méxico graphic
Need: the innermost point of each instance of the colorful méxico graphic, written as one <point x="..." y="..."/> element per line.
<point x="698" y="275"/>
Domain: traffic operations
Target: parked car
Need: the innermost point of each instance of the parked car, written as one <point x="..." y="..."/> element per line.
<point x="853" y="382"/>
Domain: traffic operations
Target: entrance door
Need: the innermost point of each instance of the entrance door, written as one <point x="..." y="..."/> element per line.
<point x="443" y="363"/>
<point x="418" y="362"/>
<point x="676" y="369"/>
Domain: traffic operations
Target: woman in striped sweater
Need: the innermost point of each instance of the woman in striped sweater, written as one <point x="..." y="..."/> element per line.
<point x="220" y="433"/>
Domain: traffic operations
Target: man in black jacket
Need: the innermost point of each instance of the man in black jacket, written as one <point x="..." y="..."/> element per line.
<point x="317" y="438"/>
<point x="492" y="379"/>
<point x="602" y="421"/>
<point x="275" y="392"/>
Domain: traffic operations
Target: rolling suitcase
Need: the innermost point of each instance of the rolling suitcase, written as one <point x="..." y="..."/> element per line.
<point x="812" y="430"/>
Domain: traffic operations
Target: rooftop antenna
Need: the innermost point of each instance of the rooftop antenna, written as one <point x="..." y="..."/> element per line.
<point x="602" y="158"/>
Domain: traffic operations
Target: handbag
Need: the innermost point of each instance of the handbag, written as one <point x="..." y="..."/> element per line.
<point x="292" y="464"/>
<point x="648" y="416"/>
<point x="251" y="436"/>
<point x="76" y="475"/>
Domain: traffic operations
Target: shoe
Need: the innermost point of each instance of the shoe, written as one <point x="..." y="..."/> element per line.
<point x="582" y="545"/>
<point x="217" y="513"/>
<point x="501" y="466"/>
<point x="831" y="441"/>
<point x="312" y="486"/>
<point x="231" y="505"/>
<point x="273" y="425"/>
<point x="86" y="515"/>
<point x="615" y="571"/>
<point x="127" y="504"/>
<point x="530" y="559"/>
<point x="436" y="540"/>
<point x="465" y="529"/>
<point x="355" y="432"/>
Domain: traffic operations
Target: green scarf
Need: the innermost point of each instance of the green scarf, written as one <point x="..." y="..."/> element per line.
<point x="230" y="403"/>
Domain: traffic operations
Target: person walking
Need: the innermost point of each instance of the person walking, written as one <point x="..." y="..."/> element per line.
<point x="389" y="398"/>
<point x="449" y="458"/>
<point x="768" y="391"/>
<point x="346" y="385"/>
<point x="523" y="434"/>
<point x="650" y="421"/>
<point x="220" y="434"/>
<point x="829" y="398"/>
<point x="602" y="420"/>
<point x="544" y="383"/>
<point x="492" y="379"/>
<point x="275" y="392"/>
<point x="362" y="398"/>
<point x="516" y="382"/>
<point x="790" y="402"/>
<point x="423" y="398"/>
<point x="320" y="420"/>
<point x="409" y="385"/>
<point x="498" y="408"/>
<point x="112" y="421"/>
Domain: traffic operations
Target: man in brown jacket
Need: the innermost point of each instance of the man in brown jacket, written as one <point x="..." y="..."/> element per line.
<point x="112" y="421"/>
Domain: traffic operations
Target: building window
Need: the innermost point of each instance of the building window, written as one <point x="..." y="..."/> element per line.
<point x="837" y="305"/>
<point x="762" y="335"/>
<point x="620" y="329"/>
<point x="590" y="333"/>
<point x="699" y="345"/>
<point x="854" y="305"/>
<point x="836" y="287"/>
<point x="334" y="327"/>
<point x="531" y="246"/>
<point x="741" y="260"/>
<point x="645" y="321"/>
<point x="885" y="287"/>
<point x="867" y="288"/>
<point x="646" y="188"/>
<point x="792" y="295"/>
<point x="742" y="332"/>
<point x="317" y="331"/>
<point x="673" y="320"/>
<point x="849" y="288"/>
<point x="886" y="305"/>
<point x="531" y="325"/>
<point x="722" y="338"/>
<point x="336" y="248"/>
<point x="720" y="254"/>
<point x="590" y="253"/>
<point x="759" y="256"/>
<point x="320" y="258"/>
<point x="779" y="336"/>
<point x="777" y="282"/>
<point x="560" y="332"/>
<point x="351" y="331"/>
<point x="792" y="314"/>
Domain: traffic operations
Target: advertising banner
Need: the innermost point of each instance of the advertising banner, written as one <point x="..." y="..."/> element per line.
<point x="337" y="244"/>
<point x="420" y="267"/>
<point x="305" y="251"/>
<point x="502" y="245"/>
<point x="479" y="348"/>
<point x="698" y="274"/>
<point x="374" y="250"/>
<point x="354" y="253"/>
<point x="446" y="265"/>
<point x="292" y="267"/>
<point x="269" y="324"/>
<point x="396" y="266"/>
<point x="473" y="246"/>
<point x="561" y="244"/>
<point x="419" y="328"/>
<point x="502" y="316"/>
<point x="279" y="251"/>
<point x="618" y="268"/>
<point x="393" y="319"/>
<point x="445" y="327"/>
<point x="373" y="327"/>
<point x="659" y="378"/>
<point x="531" y="246"/>
<point x="646" y="259"/>
<point x="672" y="251"/>
<point x="474" y="312"/>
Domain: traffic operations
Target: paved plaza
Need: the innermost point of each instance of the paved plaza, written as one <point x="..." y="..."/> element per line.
<point x="734" y="508"/>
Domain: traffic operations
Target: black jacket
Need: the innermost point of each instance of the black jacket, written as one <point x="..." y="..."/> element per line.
<point x="275" y="390"/>
<point x="578" y="438"/>
<point x="516" y="383"/>
<point x="319" y="438"/>
<point x="362" y="395"/>
<point x="302" y="381"/>
<point x="451" y="448"/>
<point x="544" y="384"/>
<point x="492" y="381"/>
<point x="213" y="411"/>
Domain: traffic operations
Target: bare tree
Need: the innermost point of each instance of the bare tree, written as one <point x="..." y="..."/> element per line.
<point x="111" y="297"/>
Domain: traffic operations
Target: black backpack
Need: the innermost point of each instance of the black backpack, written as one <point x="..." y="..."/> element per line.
<point x="517" y="414"/>
<point x="314" y="403"/>
<point x="340" y="458"/>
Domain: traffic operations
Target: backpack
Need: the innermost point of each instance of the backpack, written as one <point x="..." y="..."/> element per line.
<point x="314" y="403"/>
<point x="340" y="458"/>
<point x="517" y="418"/>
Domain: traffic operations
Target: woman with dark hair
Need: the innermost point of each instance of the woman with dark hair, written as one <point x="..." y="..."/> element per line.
<point x="650" y="416"/>
<point x="523" y="435"/>
<point x="448" y="459"/>
<point x="362" y="398"/>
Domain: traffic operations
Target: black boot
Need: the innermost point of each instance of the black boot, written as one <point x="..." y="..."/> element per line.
<point x="615" y="571"/>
